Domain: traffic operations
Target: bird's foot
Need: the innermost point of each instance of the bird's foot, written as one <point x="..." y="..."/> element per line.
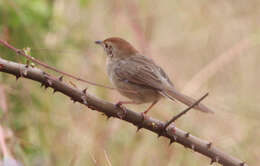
<point x="141" y="122"/>
<point x="122" y="112"/>
<point x="144" y="116"/>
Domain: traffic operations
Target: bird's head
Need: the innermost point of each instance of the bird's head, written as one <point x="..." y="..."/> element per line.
<point x="117" y="48"/>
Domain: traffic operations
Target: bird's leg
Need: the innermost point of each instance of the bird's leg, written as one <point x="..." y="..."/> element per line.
<point x="144" y="114"/>
<point x="150" y="107"/>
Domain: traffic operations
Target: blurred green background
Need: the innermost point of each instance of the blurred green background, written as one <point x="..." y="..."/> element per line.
<point x="204" y="46"/>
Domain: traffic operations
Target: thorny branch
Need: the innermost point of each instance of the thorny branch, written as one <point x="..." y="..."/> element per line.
<point x="173" y="133"/>
<point x="22" y="53"/>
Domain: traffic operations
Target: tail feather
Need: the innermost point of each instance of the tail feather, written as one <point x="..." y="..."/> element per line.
<point x="174" y="94"/>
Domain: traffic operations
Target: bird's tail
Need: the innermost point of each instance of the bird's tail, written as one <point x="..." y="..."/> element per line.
<point x="174" y="94"/>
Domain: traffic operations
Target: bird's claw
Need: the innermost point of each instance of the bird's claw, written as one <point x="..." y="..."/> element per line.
<point x="140" y="123"/>
<point x="144" y="116"/>
<point x="122" y="112"/>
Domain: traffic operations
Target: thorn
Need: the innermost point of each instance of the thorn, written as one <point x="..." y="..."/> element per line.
<point x="17" y="77"/>
<point x="242" y="163"/>
<point x="49" y="82"/>
<point x="19" y="51"/>
<point x="192" y="147"/>
<point x="42" y="84"/>
<point x="217" y="159"/>
<point x="171" y="141"/>
<point x="74" y="101"/>
<point x="24" y="73"/>
<point x="108" y="116"/>
<point x="92" y="107"/>
<point x="212" y="161"/>
<point x="138" y="128"/>
<point x="60" y="78"/>
<point x="46" y="86"/>
<point x="209" y="145"/>
<point x="187" y="134"/>
<point x="85" y="90"/>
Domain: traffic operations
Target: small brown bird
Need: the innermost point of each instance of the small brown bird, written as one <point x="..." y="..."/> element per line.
<point x="138" y="77"/>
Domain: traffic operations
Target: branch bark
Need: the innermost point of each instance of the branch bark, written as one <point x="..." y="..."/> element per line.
<point x="173" y="133"/>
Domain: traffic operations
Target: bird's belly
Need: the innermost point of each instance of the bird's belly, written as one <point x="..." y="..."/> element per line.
<point x="137" y="93"/>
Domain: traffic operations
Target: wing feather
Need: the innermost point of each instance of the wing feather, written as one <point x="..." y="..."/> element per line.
<point x="142" y="71"/>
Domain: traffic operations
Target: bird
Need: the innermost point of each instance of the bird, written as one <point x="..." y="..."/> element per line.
<point x="139" y="78"/>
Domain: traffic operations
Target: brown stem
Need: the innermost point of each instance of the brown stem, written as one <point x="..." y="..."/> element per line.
<point x="185" y="111"/>
<point x="173" y="133"/>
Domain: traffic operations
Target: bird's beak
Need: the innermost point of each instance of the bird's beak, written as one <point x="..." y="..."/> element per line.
<point x="99" y="42"/>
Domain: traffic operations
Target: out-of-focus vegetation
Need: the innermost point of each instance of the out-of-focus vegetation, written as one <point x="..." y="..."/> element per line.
<point x="182" y="36"/>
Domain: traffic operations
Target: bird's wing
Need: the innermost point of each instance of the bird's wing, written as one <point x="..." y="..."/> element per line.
<point x="142" y="71"/>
